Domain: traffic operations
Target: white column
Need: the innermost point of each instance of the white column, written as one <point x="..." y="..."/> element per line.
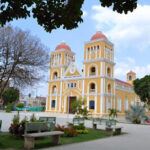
<point x="88" y="101"/>
<point x="101" y="106"/>
<point x="50" y="102"/>
<point x="96" y="54"/>
<point x="83" y="89"/>
<point x="104" y="69"/>
<point x="99" y="52"/>
<point x="114" y="94"/>
<point x="90" y="54"/>
<point x="60" y="97"/>
<point x="104" y="52"/>
<point x="65" y="104"/>
<point x="86" y="53"/>
<point x="101" y="68"/>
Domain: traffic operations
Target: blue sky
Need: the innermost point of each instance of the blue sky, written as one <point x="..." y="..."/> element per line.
<point x="129" y="33"/>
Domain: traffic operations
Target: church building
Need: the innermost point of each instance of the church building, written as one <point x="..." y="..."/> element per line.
<point x="95" y="83"/>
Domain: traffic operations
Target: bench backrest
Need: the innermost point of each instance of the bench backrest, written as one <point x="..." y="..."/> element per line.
<point x="78" y="120"/>
<point x="49" y="119"/>
<point x="0" y="124"/>
<point x="96" y="120"/>
<point x="110" y="123"/>
<point x="103" y="121"/>
<point x="38" y="127"/>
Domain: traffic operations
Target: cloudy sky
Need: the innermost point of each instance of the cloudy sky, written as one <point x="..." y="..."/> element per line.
<point x="129" y="33"/>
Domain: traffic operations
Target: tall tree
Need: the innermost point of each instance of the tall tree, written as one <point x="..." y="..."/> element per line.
<point x="10" y="95"/>
<point x="22" y="58"/>
<point x="52" y="14"/>
<point x="142" y="88"/>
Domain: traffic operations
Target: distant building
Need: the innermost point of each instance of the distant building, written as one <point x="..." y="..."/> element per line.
<point x="32" y="101"/>
<point x="96" y="83"/>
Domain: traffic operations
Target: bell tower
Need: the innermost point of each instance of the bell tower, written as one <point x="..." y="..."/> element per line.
<point x="131" y="76"/>
<point x="99" y="72"/>
<point x="60" y="59"/>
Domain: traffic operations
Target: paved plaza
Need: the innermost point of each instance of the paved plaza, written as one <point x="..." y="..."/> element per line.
<point x="138" y="137"/>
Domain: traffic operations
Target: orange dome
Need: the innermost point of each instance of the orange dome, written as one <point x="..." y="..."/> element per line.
<point x="63" y="45"/>
<point x="131" y="72"/>
<point x="98" y="35"/>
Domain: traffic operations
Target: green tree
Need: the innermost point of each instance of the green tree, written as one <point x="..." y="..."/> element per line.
<point x="78" y="107"/>
<point x="11" y="95"/>
<point x="142" y="89"/>
<point x="20" y="105"/>
<point x="51" y="14"/>
<point x="113" y="113"/>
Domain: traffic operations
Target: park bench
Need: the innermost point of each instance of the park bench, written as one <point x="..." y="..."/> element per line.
<point x="31" y="127"/>
<point x="78" y="121"/>
<point x="98" y="121"/>
<point x="34" y="130"/>
<point x="110" y="125"/>
<point x="29" y="139"/>
<point x="49" y="119"/>
<point x="0" y="124"/>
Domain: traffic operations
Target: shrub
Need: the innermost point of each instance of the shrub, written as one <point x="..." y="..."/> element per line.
<point x="68" y="132"/>
<point x="17" y="128"/>
<point x="20" y="105"/>
<point x="82" y="131"/>
<point x="9" y="107"/>
<point x="136" y="115"/>
<point x="33" y="118"/>
<point x="14" y="127"/>
<point x="79" y="127"/>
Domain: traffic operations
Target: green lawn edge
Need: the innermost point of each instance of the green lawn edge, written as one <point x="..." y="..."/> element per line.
<point x="9" y="141"/>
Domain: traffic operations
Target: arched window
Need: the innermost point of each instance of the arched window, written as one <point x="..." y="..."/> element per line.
<point x="92" y="88"/>
<point x="91" y="104"/>
<point x="54" y="89"/>
<point x="53" y="103"/>
<point x="130" y="77"/>
<point x="109" y="88"/>
<point x="108" y="72"/>
<point x="92" y="71"/>
<point x="55" y="76"/>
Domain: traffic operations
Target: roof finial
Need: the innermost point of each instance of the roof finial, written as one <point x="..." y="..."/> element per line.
<point x="99" y="31"/>
<point x="63" y="41"/>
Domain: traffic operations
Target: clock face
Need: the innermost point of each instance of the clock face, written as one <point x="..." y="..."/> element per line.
<point x="72" y="69"/>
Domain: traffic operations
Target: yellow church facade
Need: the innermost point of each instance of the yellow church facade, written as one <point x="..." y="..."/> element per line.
<point x="95" y="83"/>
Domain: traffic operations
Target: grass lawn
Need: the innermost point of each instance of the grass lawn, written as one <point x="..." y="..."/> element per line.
<point x="8" y="141"/>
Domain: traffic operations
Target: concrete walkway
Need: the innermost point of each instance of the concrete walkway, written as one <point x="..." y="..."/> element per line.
<point x="138" y="138"/>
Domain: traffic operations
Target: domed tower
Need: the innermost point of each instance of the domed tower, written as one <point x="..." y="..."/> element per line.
<point x="99" y="72"/>
<point x="60" y="60"/>
<point x="131" y="76"/>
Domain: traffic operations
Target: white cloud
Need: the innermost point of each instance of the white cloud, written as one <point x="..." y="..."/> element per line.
<point x="123" y="67"/>
<point x="131" y="29"/>
<point x="84" y="13"/>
